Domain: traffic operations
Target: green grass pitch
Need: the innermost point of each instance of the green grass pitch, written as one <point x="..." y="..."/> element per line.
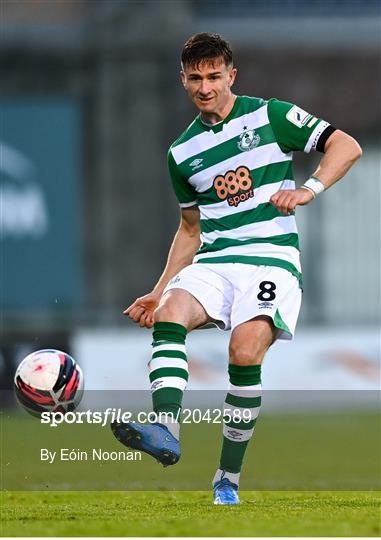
<point x="266" y="513"/>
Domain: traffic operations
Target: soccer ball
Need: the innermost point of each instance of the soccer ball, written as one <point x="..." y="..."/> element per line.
<point x="48" y="380"/>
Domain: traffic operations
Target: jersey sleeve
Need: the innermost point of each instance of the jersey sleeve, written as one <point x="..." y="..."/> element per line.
<point x="185" y="193"/>
<point x="294" y="128"/>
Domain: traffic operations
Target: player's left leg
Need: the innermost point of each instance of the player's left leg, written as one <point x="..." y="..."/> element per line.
<point x="248" y="345"/>
<point x="266" y="307"/>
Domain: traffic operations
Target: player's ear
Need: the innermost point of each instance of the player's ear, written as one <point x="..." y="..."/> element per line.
<point x="183" y="78"/>
<point x="232" y="76"/>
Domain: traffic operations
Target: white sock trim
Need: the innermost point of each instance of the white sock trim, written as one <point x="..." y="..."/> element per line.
<point x="237" y="435"/>
<point x="168" y="382"/>
<point x="163" y="362"/>
<point x="244" y="413"/>
<point x="246" y="391"/>
<point x="169" y="347"/>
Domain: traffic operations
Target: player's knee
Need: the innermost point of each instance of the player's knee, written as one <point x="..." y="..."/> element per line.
<point x="241" y="354"/>
<point x="165" y="313"/>
<point x="169" y="309"/>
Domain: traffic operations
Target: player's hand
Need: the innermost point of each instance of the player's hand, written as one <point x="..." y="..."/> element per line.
<point x="141" y="311"/>
<point x="286" y="200"/>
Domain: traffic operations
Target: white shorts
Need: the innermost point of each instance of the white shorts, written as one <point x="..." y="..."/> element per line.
<point x="233" y="293"/>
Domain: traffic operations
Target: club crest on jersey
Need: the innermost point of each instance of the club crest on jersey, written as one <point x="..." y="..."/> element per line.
<point x="248" y="140"/>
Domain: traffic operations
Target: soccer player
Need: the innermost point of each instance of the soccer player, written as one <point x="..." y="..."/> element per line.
<point x="234" y="261"/>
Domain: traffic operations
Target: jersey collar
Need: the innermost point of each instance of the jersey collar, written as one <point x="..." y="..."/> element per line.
<point x="216" y="128"/>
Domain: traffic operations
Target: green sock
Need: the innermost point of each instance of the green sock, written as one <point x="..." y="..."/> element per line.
<point x="168" y="369"/>
<point x="238" y="431"/>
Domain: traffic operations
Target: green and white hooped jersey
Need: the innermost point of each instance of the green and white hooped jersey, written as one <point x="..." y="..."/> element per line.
<point x="231" y="170"/>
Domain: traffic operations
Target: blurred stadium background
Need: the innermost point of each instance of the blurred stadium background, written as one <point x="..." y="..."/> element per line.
<point x="91" y="101"/>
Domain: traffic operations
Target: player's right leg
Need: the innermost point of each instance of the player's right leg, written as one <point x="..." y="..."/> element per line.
<point x="266" y="306"/>
<point x="178" y="313"/>
<point x="249" y="343"/>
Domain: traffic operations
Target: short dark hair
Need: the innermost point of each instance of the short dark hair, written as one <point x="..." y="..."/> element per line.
<point x="204" y="47"/>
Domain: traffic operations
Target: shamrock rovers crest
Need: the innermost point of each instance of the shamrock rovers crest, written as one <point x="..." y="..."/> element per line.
<point x="248" y="139"/>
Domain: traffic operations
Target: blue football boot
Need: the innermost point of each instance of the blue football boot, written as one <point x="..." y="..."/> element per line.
<point x="154" y="439"/>
<point x="225" y="492"/>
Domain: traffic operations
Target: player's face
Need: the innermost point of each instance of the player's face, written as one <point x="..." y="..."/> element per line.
<point x="209" y="85"/>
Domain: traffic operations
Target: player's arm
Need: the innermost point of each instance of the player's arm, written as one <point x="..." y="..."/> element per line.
<point x="341" y="151"/>
<point x="295" y="129"/>
<point x="184" y="246"/>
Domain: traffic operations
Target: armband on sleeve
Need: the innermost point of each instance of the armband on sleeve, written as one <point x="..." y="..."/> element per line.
<point x="320" y="144"/>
